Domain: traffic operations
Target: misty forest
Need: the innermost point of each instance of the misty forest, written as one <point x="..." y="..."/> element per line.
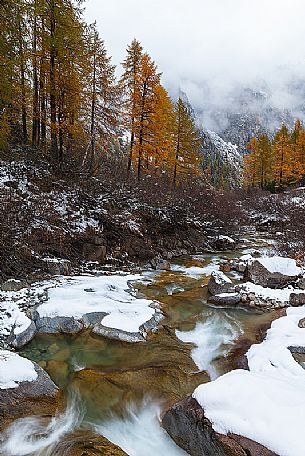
<point x="152" y="230"/>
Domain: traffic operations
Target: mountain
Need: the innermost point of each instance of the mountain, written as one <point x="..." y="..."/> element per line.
<point x="221" y="160"/>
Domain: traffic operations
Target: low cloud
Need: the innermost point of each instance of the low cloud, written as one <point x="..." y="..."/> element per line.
<point x="209" y="47"/>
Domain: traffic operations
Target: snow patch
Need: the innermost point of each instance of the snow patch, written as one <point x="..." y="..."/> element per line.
<point x="285" y="266"/>
<point x="14" y="369"/>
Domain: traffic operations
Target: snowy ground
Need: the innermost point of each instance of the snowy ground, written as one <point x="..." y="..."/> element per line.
<point x="266" y="403"/>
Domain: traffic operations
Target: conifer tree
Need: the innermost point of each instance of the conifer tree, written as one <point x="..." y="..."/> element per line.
<point x="187" y="143"/>
<point x="162" y="129"/>
<point x="146" y="85"/>
<point x="283" y="158"/>
<point x="131" y="67"/>
<point x="104" y="94"/>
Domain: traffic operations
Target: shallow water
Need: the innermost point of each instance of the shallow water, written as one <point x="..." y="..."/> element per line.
<point x="119" y="390"/>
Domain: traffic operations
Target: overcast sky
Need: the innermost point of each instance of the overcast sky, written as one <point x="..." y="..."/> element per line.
<point x="218" y="41"/>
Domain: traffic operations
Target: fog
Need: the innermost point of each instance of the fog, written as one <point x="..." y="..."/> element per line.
<point x="209" y="47"/>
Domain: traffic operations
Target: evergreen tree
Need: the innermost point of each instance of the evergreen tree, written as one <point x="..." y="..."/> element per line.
<point x="131" y="66"/>
<point x="187" y="143"/>
<point x="104" y="95"/>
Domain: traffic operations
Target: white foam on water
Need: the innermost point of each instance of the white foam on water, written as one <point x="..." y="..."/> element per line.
<point x="213" y="338"/>
<point x="139" y="432"/>
<point x="34" y="436"/>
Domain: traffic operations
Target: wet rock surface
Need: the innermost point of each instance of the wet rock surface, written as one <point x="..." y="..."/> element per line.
<point x="84" y="443"/>
<point x="111" y="391"/>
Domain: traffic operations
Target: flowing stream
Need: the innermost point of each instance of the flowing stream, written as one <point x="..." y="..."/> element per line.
<point x="119" y="390"/>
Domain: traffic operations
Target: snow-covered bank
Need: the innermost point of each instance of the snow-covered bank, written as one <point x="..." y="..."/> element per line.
<point x="267" y="403"/>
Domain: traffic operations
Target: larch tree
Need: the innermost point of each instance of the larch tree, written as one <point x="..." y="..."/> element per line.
<point x="251" y="164"/>
<point x="283" y="158"/>
<point x="147" y="82"/>
<point x="298" y="151"/>
<point x="266" y="159"/>
<point x="162" y="130"/>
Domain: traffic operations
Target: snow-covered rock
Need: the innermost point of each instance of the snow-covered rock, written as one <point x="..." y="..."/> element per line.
<point x="225" y="299"/>
<point x="267" y="403"/>
<point x="106" y="304"/>
<point x="219" y="283"/>
<point x="222" y="243"/>
<point x="25" y="389"/>
<point x="273" y="272"/>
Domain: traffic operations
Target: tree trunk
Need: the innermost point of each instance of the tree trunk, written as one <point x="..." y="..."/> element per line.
<point x="54" y="143"/>
<point x="93" y="108"/>
<point x="23" y="89"/>
<point x="35" y="120"/>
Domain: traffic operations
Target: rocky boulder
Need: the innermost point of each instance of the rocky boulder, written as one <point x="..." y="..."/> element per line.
<point x="225" y="299"/>
<point x="273" y="272"/>
<point x="54" y="325"/>
<point x="56" y="266"/>
<point x="219" y="283"/>
<point x="94" y="249"/>
<point x="84" y="443"/>
<point x="13" y="285"/>
<point x="297" y="299"/>
<point x="188" y="426"/>
<point x="37" y="396"/>
<point x="222" y="243"/>
<point x="19" y="340"/>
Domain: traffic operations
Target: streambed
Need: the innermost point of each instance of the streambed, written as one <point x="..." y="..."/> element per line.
<point x="119" y="389"/>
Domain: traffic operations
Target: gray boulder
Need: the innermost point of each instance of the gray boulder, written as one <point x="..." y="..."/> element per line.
<point x="275" y="276"/>
<point x="19" y="340"/>
<point x="219" y="283"/>
<point x="118" y="334"/>
<point x="53" y="325"/>
<point x="225" y="299"/>
<point x="297" y="299"/>
<point x="301" y="323"/>
<point x="90" y="320"/>
<point x="13" y="285"/>
<point x="222" y="243"/>
<point x="163" y="265"/>
<point x="58" y="267"/>
<point x="188" y="426"/>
